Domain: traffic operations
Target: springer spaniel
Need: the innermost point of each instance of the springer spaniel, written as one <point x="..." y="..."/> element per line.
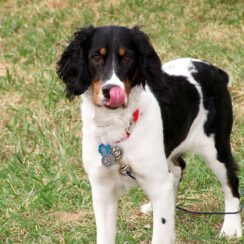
<point x="139" y="118"/>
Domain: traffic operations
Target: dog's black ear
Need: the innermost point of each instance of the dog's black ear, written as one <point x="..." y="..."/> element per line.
<point x="150" y="68"/>
<point x="149" y="62"/>
<point x="72" y="66"/>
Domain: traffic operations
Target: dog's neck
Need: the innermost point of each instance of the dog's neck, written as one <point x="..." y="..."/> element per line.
<point x="108" y="125"/>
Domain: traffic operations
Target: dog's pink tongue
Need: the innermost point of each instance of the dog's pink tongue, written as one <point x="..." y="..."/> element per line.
<point x="117" y="97"/>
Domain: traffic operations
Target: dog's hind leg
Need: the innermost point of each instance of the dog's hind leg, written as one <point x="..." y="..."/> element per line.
<point x="146" y="208"/>
<point x="218" y="156"/>
<point x="176" y="166"/>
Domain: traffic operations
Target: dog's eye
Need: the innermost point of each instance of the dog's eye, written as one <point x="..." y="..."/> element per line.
<point x="127" y="59"/>
<point x="97" y="59"/>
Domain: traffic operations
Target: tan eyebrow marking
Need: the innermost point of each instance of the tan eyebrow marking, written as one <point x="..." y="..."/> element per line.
<point x="103" y="51"/>
<point x="121" y="51"/>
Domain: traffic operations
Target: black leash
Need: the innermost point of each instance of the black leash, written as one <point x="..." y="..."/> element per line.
<point x="128" y="173"/>
<point x="209" y="213"/>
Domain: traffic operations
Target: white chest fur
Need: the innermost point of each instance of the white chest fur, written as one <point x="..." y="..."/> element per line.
<point x="101" y="125"/>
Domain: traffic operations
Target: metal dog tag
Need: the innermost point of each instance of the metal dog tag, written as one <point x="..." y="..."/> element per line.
<point x="108" y="160"/>
<point x="124" y="169"/>
<point x="117" y="153"/>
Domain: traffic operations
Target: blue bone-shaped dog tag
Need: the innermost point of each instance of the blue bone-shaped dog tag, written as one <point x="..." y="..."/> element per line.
<point x="108" y="158"/>
<point x="105" y="149"/>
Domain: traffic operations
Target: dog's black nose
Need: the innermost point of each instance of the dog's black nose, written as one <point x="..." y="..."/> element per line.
<point x="106" y="90"/>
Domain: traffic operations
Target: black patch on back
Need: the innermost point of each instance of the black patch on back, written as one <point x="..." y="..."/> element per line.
<point x="216" y="98"/>
<point x="179" y="104"/>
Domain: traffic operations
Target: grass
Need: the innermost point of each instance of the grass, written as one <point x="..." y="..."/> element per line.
<point x="45" y="196"/>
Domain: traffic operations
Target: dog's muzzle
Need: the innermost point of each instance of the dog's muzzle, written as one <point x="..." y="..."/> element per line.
<point x="114" y="96"/>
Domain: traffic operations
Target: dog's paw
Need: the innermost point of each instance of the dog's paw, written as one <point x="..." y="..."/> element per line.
<point x="146" y="208"/>
<point x="230" y="230"/>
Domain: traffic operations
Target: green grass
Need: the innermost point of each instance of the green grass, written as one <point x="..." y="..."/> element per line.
<point x="45" y="196"/>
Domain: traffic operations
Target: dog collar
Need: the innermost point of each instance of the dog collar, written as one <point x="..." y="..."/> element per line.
<point x="106" y="148"/>
<point x="113" y="154"/>
<point x="131" y="126"/>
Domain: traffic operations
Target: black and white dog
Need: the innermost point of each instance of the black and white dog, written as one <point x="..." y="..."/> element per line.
<point x="153" y="114"/>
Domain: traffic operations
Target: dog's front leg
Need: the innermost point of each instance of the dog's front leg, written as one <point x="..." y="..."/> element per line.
<point x="160" y="190"/>
<point x="105" y="202"/>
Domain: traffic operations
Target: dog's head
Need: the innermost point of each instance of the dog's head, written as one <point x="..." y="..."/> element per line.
<point x="110" y="60"/>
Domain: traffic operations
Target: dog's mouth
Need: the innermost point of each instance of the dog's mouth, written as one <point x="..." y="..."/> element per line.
<point x="115" y="97"/>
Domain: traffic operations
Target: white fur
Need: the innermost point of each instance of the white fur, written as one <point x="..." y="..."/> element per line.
<point x="146" y="208"/>
<point x="144" y="152"/>
<point x="114" y="80"/>
<point x="150" y="167"/>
